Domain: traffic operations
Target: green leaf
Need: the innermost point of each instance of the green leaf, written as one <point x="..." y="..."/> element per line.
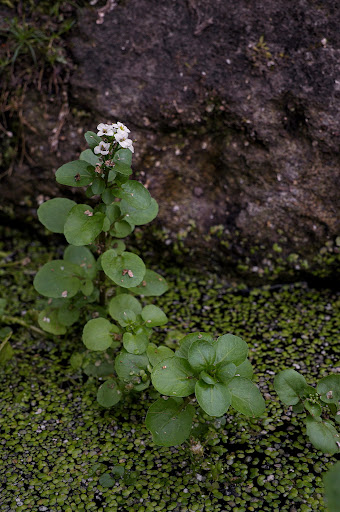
<point x="119" y="247"/>
<point x="230" y="348"/>
<point x="135" y="343"/>
<point x="76" y="360"/>
<point x="226" y="371"/>
<point x="53" y="213"/>
<point x="169" y="421"/>
<point x="129" y="366"/>
<point x="87" y="287"/>
<point x="99" y="369"/>
<point x="123" y="168"/>
<point x="214" y="399"/>
<point x="245" y="369"/>
<point x="49" y="322"/>
<point x="6" y="351"/>
<point x="121" y="303"/>
<point x="201" y="355"/>
<point x="153" y="316"/>
<point x="329" y="389"/>
<point x="138" y="216"/>
<point x="109" y="393"/>
<point x="135" y="194"/>
<point x="158" y="354"/>
<point x="153" y="284"/>
<point x="98" y="185"/>
<point x="322" y="435"/>
<point x="187" y="341"/>
<point x="92" y="139"/>
<point x="89" y="157"/>
<point x="108" y="198"/>
<point x="67" y="315"/>
<point x="246" y="397"/>
<point x="58" y="278"/>
<point x="207" y="378"/>
<point x="75" y="174"/>
<point x="313" y="408"/>
<point x="97" y="334"/>
<point x="123" y="156"/>
<point x="121" y="229"/>
<point x="331" y="481"/>
<point x="106" y="480"/>
<point x="127" y="270"/>
<point x="82" y="226"/>
<point x="83" y="257"/>
<point x="290" y="386"/>
<point x="174" y="377"/>
<point x="3" y="304"/>
<point x="113" y="212"/>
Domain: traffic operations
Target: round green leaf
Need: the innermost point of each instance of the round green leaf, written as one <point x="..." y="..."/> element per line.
<point x="226" y="371"/>
<point x="314" y="409"/>
<point x="245" y="370"/>
<point x="174" y="377"/>
<point x="87" y="287"/>
<point x="97" y="334"/>
<point x="169" y="422"/>
<point x="135" y="343"/>
<point x="126" y="317"/>
<point x="134" y="194"/>
<point x="127" y="270"/>
<point x="92" y="139"/>
<point x="98" y="185"/>
<point x="123" y="168"/>
<point x="58" y="278"/>
<point x="106" y="480"/>
<point x="201" y="355"/>
<point x="329" y="389"/>
<point x="89" y="157"/>
<point x="82" y="226"/>
<point x="48" y="321"/>
<point x="109" y="393"/>
<point x="52" y="214"/>
<point x="119" y="247"/>
<point x="291" y="386"/>
<point x="122" y="302"/>
<point x="129" y="366"/>
<point x="153" y="284"/>
<point x="246" y="397"/>
<point x="188" y="340"/>
<point x="230" y="348"/>
<point x="75" y="174"/>
<point x="322" y="435"/>
<point x="138" y="216"/>
<point x="158" y="354"/>
<point x="68" y="315"/>
<point x="113" y="212"/>
<point x="123" y="156"/>
<point x="83" y="257"/>
<point x="121" y="229"/>
<point x="153" y="316"/>
<point x="214" y="399"/>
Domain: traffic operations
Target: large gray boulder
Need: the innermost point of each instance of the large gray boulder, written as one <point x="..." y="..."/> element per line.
<point x="234" y="106"/>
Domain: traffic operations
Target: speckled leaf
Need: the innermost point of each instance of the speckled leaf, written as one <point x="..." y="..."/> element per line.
<point x="153" y="316"/>
<point x="169" y="421"/>
<point x="82" y="226"/>
<point x="135" y="343"/>
<point x="128" y="366"/>
<point x="92" y="139"/>
<point x="126" y="270"/>
<point x="174" y="377"/>
<point x="134" y="194"/>
<point x="75" y="174"/>
<point x="138" y="216"/>
<point x="329" y="389"/>
<point x="53" y="213"/>
<point x="58" y="278"/>
<point x="123" y="156"/>
<point x="122" y="302"/>
<point x="214" y="399"/>
<point x="157" y="354"/>
<point x="153" y="284"/>
<point x="109" y="393"/>
<point x="83" y="257"/>
<point x="48" y="321"/>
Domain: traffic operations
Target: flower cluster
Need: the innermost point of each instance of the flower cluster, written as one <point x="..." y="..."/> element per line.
<point x="119" y="132"/>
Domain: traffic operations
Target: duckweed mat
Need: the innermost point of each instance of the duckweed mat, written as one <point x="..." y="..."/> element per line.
<point x="60" y="449"/>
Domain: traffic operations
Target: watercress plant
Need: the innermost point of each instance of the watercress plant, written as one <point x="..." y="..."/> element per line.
<point x="319" y="405"/>
<point x="100" y="280"/>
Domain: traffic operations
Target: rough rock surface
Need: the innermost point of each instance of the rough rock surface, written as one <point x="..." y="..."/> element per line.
<point x="234" y="106"/>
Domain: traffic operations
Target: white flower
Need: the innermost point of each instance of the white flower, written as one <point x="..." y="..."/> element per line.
<point x="120" y="127"/>
<point x="103" y="148"/>
<point x="105" y="129"/>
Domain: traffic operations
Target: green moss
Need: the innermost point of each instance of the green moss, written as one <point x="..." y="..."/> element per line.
<point x="54" y="432"/>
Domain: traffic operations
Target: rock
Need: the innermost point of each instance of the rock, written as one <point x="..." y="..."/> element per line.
<point x="234" y="108"/>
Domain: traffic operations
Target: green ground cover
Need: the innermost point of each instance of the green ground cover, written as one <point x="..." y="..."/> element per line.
<point x="57" y="441"/>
